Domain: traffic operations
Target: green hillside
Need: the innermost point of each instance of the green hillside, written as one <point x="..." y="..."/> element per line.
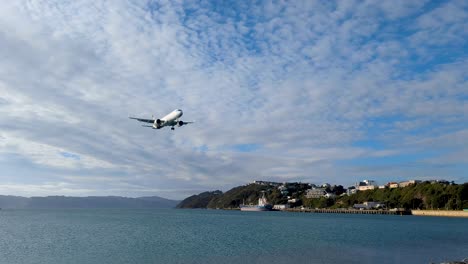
<point x="200" y="200"/>
<point x="424" y="195"/>
<point x="247" y="194"/>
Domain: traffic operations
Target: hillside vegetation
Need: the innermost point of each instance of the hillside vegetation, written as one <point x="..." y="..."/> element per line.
<point x="419" y="196"/>
<point x="247" y="194"/>
<point x="200" y="200"/>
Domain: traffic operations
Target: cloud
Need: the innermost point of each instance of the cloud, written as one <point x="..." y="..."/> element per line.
<point x="281" y="91"/>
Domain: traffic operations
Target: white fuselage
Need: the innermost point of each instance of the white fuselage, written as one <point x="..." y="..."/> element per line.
<point x="170" y="119"/>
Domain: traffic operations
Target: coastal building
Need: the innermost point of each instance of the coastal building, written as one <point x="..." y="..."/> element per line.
<point x="392" y="185"/>
<point x="382" y="186"/>
<point x="369" y="182"/>
<point x="408" y="183"/>
<point x="294" y="200"/>
<point x="369" y="205"/>
<point x="351" y="190"/>
<point x="315" y="193"/>
<point x="281" y="206"/>
<point x="367" y="187"/>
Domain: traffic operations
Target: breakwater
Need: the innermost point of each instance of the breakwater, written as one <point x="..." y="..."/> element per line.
<point x="349" y="211"/>
<point x="440" y="213"/>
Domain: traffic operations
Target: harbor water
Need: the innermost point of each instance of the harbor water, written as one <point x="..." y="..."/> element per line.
<point x="217" y="236"/>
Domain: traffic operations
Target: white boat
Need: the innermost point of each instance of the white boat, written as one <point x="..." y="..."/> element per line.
<point x="262" y="205"/>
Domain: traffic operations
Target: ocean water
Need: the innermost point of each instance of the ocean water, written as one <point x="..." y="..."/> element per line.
<point x="216" y="236"/>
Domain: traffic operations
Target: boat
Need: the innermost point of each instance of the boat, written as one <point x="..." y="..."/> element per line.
<point x="262" y="205"/>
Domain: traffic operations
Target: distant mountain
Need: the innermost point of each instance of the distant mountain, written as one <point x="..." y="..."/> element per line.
<point x="160" y="200"/>
<point x="85" y="202"/>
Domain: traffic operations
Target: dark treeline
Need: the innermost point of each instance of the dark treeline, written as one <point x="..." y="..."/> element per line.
<point x="199" y="201"/>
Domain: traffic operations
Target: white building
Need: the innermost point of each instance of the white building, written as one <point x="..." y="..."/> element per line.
<point x="369" y="182"/>
<point x="369" y="205"/>
<point x="408" y="183"/>
<point x="315" y="193"/>
<point x="367" y="187"/>
<point x="294" y="200"/>
<point x="351" y="190"/>
<point x="281" y="206"/>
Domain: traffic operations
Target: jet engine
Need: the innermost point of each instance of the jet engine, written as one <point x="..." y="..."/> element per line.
<point x="180" y="123"/>
<point x="158" y="122"/>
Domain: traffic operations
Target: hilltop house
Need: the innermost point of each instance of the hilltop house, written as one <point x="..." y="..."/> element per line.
<point x="408" y="183"/>
<point x="365" y="185"/>
<point x="351" y="190"/>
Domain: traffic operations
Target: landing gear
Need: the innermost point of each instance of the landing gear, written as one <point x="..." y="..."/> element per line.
<point x="172" y="128"/>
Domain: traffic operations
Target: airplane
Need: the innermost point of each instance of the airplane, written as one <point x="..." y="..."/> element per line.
<point x="171" y="119"/>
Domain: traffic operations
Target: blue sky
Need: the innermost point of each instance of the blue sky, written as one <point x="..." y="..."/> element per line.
<point x="311" y="91"/>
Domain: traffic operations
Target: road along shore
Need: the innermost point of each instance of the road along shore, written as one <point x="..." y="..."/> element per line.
<point x="440" y="213"/>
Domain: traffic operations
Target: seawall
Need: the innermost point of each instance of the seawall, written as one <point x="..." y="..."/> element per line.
<point x="348" y="211"/>
<point x="440" y="213"/>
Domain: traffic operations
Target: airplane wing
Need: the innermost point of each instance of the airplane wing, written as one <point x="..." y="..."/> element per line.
<point x="143" y="120"/>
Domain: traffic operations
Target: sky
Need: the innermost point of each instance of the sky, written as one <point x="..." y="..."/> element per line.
<point x="309" y="91"/>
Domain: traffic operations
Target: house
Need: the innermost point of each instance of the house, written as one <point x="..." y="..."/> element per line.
<point x="315" y="193"/>
<point x="369" y="205"/>
<point x="281" y="206"/>
<point x="294" y="200"/>
<point x="408" y="183"/>
<point x="392" y="185"/>
<point x="351" y="190"/>
<point x="369" y="182"/>
<point x="367" y="187"/>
